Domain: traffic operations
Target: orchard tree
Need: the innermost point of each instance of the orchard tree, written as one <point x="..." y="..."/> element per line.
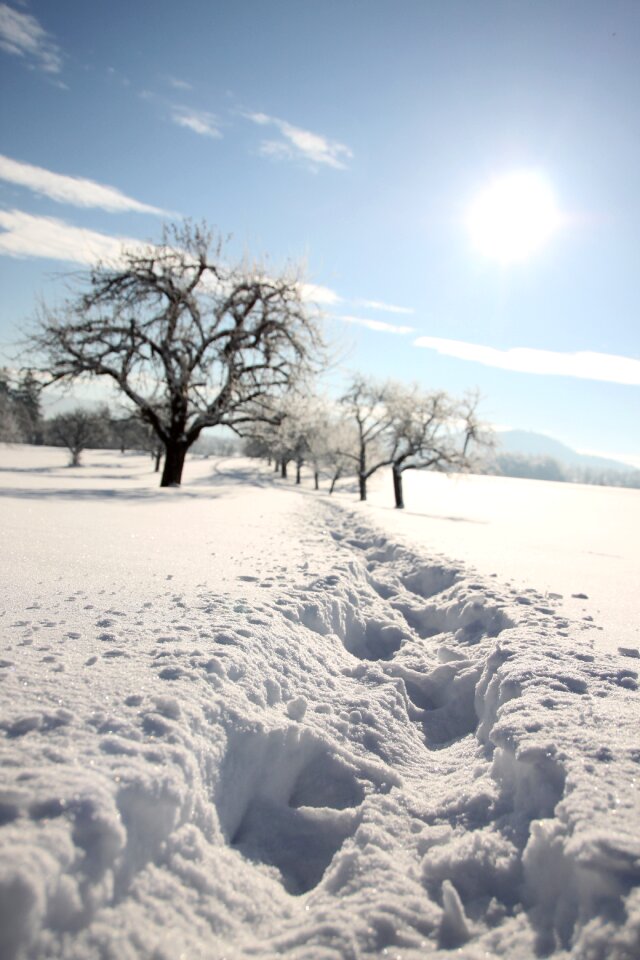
<point x="431" y="431"/>
<point x="77" y="430"/>
<point x="191" y="341"/>
<point x="407" y="428"/>
<point x="365" y="408"/>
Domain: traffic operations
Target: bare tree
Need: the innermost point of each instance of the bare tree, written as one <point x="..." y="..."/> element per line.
<point x="76" y="430"/>
<point x="190" y="341"/>
<point x="431" y="431"/>
<point x="365" y="407"/>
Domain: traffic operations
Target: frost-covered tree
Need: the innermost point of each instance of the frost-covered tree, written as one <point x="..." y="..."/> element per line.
<point x="407" y="428"/>
<point x="365" y="409"/>
<point x="431" y="431"/>
<point x="191" y="341"/>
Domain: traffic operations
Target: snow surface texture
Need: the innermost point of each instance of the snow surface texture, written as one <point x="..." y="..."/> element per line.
<point x="238" y="721"/>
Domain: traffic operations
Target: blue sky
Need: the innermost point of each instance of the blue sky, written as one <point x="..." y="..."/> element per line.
<point x="354" y="135"/>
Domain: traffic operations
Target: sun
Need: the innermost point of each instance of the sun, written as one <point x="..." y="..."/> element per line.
<point x="513" y="217"/>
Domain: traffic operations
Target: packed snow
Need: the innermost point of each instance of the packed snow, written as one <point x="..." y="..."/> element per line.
<point x="242" y="719"/>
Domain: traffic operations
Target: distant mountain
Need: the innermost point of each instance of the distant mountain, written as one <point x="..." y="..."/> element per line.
<point x="531" y="444"/>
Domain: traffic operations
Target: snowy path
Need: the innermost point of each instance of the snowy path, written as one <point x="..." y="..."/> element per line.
<point x="240" y="722"/>
<point x="577" y="543"/>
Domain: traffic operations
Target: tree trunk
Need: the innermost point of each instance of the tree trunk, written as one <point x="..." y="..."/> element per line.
<point x="316" y="480"/>
<point x="334" y="480"/>
<point x="276" y="465"/>
<point x="175" y="454"/>
<point x="363" y="487"/>
<point x="157" y="457"/>
<point x="283" y="468"/>
<point x="397" y="489"/>
<point x="298" y="471"/>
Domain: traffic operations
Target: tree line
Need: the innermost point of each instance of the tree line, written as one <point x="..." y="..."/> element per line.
<point x="22" y="421"/>
<point x="374" y="424"/>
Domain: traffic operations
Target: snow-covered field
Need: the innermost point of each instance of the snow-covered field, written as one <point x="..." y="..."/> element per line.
<point x="245" y="720"/>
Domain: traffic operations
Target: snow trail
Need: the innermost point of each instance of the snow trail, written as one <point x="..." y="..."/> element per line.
<point x="286" y="732"/>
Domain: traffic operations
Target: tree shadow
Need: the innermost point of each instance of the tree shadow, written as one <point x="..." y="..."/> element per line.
<point x="430" y="516"/>
<point x="229" y="473"/>
<point x="97" y="493"/>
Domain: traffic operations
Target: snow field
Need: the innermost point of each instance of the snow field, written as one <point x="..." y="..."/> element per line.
<point x="240" y="722"/>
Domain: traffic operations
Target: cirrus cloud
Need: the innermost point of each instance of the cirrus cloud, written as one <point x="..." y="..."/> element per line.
<point x="583" y="364"/>
<point x="199" y="121"/>
<point x="23" y="36"/>
<point x="380" y="326"/>
<point x="298" y="143"/>
<point x="384" y="307"/>
<point x="30" y="236"/>
<point x="77" y="191"/>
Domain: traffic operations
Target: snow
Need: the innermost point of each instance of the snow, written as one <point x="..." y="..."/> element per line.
<point x="244" y="720"/>
<point x="574" y="543"/>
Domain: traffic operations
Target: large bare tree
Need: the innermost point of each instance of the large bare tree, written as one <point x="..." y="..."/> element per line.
<point x="191" y="341"/>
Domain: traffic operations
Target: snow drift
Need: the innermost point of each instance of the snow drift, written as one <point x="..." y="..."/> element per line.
<point x="321" y="744"/>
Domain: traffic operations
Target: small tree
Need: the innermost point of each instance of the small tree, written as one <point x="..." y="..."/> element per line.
<point x="431" y="431"/>
<point x="76" y="430"/>
<point x="190" y="341"/>
<point x="365" y="407"/>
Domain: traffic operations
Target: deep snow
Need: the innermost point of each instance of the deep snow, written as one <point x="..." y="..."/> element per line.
<point x="242" y="720"/>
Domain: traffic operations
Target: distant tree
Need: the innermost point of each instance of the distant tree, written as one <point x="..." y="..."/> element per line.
<point x="337" y="460"/>
<point x="126" y="432"/>
<point x="10" y="426"/>
<point x="365" y="408"/>
<point x="76" y="430"/>
<point x="527" y="467"/>
<point x="407" y="428"/>
<point x="431" y="431"/>
<point x="189" y="340"/>
<point x="20" y="416"/>
<point x="26" y="396"/>
<point x="217" y="444"/>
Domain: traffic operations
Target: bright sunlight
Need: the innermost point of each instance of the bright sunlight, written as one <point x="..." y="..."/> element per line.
<point x="513" y="217"/>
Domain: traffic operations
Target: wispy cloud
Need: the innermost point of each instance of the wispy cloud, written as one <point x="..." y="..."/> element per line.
<point x="23" y="36"/>
<point x="586" y="365"/>
<point x="385" y="307"/>
<point x="73" y="190"/>
<point x="315" y="293"/>
<point x="378" y="325"/>
<point x="48" y="237"/>
<point x="179" y="84"/>
<point x="201" y="122"/>
<point x="298" y="143"/>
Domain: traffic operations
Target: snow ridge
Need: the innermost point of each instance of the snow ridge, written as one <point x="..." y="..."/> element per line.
<point x="383" y="755"/>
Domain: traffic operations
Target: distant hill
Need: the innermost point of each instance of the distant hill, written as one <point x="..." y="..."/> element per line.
<point x="531" y="444"/>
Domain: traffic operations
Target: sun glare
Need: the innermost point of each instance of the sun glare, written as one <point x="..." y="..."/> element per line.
<point x="513" y="217"/>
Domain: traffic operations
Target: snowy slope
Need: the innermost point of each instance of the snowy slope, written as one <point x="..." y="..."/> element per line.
<point x="242" y="721"/>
